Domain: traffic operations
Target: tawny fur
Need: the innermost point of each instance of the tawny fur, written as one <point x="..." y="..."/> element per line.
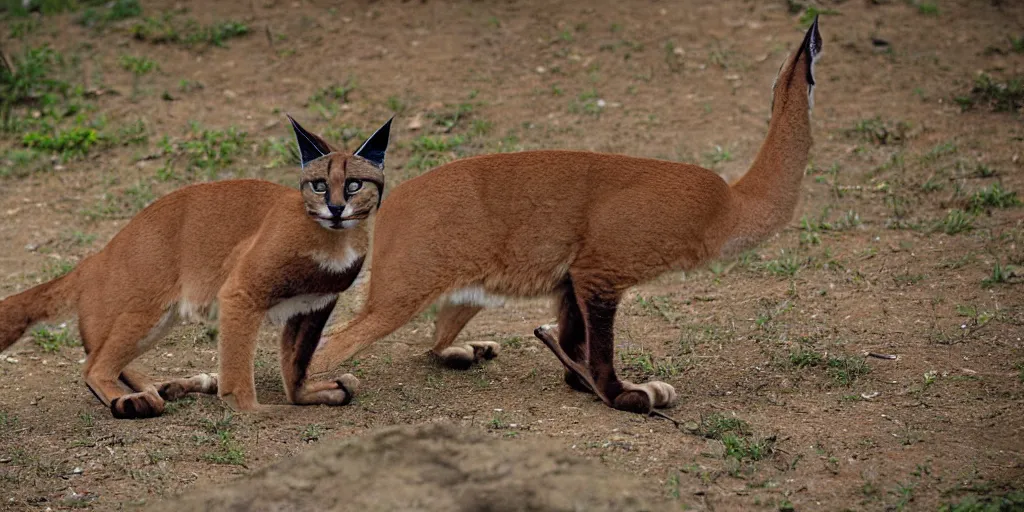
<point x="243" y="248"/>
<point x="582" y="226"/>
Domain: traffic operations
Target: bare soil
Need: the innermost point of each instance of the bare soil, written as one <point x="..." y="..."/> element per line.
<point x="887" y="253"/>
<point x="434" y="466"/>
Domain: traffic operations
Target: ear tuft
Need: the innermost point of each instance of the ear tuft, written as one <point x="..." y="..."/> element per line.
<point x="310" y="146"/>
<point x="376" y="146"/>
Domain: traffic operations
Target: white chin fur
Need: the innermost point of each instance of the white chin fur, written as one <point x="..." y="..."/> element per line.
<point x="349" y="224"/>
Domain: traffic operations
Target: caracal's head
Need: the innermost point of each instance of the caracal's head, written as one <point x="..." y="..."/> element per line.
<point x="341" y="190"/>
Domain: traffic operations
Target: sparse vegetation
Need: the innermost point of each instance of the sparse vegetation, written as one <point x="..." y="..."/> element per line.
<point x="429" y="152"/>
<point x="28" y="79"/>
<point x="227" y="450"/>
<point x="70" y="143"/>
<point x="167" y="28"/>
<point x="956" y="221"/>
<point x="994" y="196"/>
<point x="53" y="339"/>
<point x="844" y="369"/>
<point x="1005" y="96"/>
<point x="312" y="433"/>
<point x="587" y="102"/>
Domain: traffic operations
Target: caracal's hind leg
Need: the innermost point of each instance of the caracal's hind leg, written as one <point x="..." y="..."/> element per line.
<point x="176" y="389"/>
<point x="598" y="310"/>
<point x="451" y="319"/>
<point x="129" y="335"/>
<point x="173" y="389"/>
<point x="572" y="334"/>
<point x="298" y="342"/>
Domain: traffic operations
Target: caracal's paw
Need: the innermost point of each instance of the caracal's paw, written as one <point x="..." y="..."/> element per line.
<point x="642" y="398"/>
<point x="462" y="357"/>
<point x="146" y="404"/>
<point x="331" y="392"/>
<point x="176" y="389"/>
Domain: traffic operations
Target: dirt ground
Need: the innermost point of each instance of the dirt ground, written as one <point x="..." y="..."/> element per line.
<point x="908" y="241"/>
<point x="433" y="466"/>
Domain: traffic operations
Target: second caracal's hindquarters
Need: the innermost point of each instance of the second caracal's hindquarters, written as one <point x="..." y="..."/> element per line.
<point x="582" y="226"/>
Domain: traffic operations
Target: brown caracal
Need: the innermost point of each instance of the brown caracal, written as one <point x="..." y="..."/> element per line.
<point x="242" y="250"/>
<point x="582" y="226"/>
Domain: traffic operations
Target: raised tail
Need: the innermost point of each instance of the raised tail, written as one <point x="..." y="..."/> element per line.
<point x="767" y="195"/>
<point x="23" y="310"/>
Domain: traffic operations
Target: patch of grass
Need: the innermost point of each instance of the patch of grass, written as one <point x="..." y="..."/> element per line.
<point x="956" y="221"/>
<point x="166" y="28"/>
<point x="228" y="451"/>
<point x="994" y="196"/>
<point x="70" y="143"/>
<point x="19" y="162"/>
<point x="100" y="16"/>
<point x="716" y="156"/>
<point x="1020" y="369"/>
<point x="326" y="100"/>
<point x="844" y="370"/>
<point x="1013" y="500"/>
<point x="451" y="116"/>
<point x="645" y="365"/>
<point x="138" y="66"/>
<point x="206" y="151"/>
<point x="513" y="342"/>
<point x="811" y="12"/>
<point x="279" y="152"/>
<point x="395" y="104"/>
<point x="113" y="205"/>
<point x="928" y="8"/>
<point x="880" y="132"/>
<point x="801" y="357"/>
<point x="748" y="448"/>
<point x="715" y="426"/>
<point x="53" y="339"/>
<point x="29" y="79"/>
<point x="55" y="268"/>
<point x="735" y="434"/>
<point x="999" y="96"/>
<point x="587" y="102"/>
<point x="312" y="432"/>
<point x="1001" y="274"/>
<point x="7" y="420"/>
<point x="429" y="152"/>
<point x="786" y="265"/>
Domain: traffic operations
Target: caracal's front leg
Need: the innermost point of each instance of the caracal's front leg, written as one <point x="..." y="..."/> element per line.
<point x="240" y="317"/>
<point x="298" y="342"/>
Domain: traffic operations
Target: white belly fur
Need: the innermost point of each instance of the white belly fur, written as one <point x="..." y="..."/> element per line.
<point x="473" y="296"/>
<point x="298" y="305"/>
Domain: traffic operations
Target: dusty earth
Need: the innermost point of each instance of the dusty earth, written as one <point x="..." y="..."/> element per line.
<point x="908" y="241"/>
<point x="433" y="466"/>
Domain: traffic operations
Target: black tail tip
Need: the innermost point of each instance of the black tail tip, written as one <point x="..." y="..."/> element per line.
<point x="813" y="38"/>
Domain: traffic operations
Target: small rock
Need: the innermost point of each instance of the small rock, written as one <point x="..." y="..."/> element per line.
<point x="11" y="360"/>
<point x="31" y="247"/>
<point x="230" y="94"/>
<point x="869" y="396"/>
<point x="691" y="426"/>
<point x="416" y="122"/>
<point x="541" y="70"/>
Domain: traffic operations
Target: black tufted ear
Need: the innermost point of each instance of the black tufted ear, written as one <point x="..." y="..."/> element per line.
<point x="375" y="146"/>
<point x="311" y="147"/>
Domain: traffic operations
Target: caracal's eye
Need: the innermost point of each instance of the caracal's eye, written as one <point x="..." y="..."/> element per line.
<point x="318" y="186"/>
<point x="353" y="186"/>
